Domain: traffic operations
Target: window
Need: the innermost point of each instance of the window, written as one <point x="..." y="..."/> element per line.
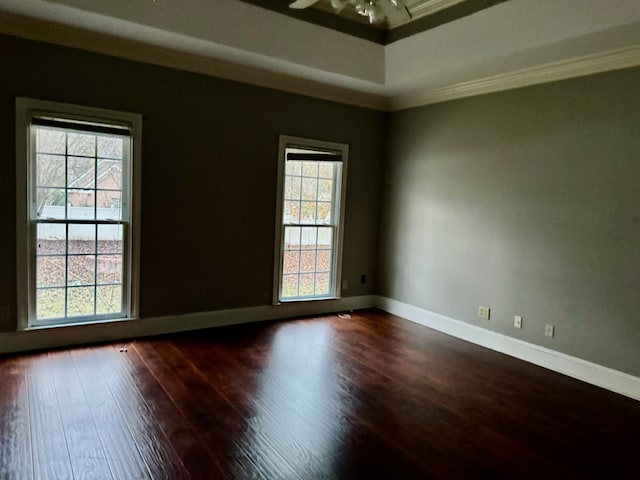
<point x="311" y="192"/>
<point x="78" y="207"/>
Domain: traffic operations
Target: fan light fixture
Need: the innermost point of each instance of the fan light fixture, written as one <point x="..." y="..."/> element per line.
<point x="375" y="10"/>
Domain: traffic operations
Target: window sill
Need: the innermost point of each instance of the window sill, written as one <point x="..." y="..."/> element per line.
<point x="305" y="299"/>
<point x="81" y="323"/>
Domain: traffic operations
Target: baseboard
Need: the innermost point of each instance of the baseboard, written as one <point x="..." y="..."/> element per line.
<point x="122" y="330"/>
<point x="589" y="372"/>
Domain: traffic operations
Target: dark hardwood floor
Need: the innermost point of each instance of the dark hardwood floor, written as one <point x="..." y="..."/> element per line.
<point x="370" y="397"/>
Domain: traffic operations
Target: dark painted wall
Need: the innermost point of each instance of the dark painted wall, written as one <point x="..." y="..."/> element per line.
<point x="526" y="201"/>
<point x="209" y="173"/>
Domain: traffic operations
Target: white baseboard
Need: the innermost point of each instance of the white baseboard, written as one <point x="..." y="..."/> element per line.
<point x="589" y="372"/>
<point x="126" y="329"/>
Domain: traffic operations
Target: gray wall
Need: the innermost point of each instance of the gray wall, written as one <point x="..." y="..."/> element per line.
<point x="526" y="201"/>
<point x="209" y="173"/>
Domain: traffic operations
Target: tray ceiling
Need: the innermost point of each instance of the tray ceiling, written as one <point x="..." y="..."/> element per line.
<point x="241" y="41"/>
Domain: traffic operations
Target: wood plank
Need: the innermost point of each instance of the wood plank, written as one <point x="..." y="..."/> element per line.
<point x="50" y="453"/>
<point x="86" y="454"/>
<point x="15" y="436"/>
<point x="370" y="397"/>
<point x="254" y="441"/>
<point x="273" y="424"/>
<point x="155" y="448"/>
<point x="125" y="461"/>
<point x="183" y="436"/>
<point x="209" y="414"/>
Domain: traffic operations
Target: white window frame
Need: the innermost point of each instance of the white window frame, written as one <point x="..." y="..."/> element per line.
<point x="26" y="110"/>
<point x="338" y="213"/>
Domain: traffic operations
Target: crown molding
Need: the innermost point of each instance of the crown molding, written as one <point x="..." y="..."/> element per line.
<point x="617" y="59"/>
<point x="68" y="36"/>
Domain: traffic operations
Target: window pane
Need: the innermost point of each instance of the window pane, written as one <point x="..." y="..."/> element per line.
<point x="50" y="171"/>
<point x="292" y="188"/>
<point x="322" y="284"/>
<point x="307" y="261"/>
<point x="291" y="212"/>
<point x="81" y="172"/>
<point x="293" y="168"/>
<point x="110" y="147"/>
<point x="309" y="169"/>
<point x="81" y="144"/>
<point x="306" y="285"/>
<point x="324" y="213"/>
<point x="109" y="205"/>
<point x="81" y="204"/>
<point x="50" y="271"/>
<point x="82" y="239"/>
<point x="109" y="174"/>
<point x="50" y="303"/>
<point x="309" y="236"/>
<point x="82" y="270"/>
<point x="309" y="188"/>
<point x="49" y="141"/>
<point x="109" y="269"/>
<point x="307" y="212"/>
<point x="325" y="190"/>
<point x="325" y="169"/>
<point x="110" y="238"/>
<point x="290" y="286"/>
<point x="51" y="239"/>
<point x="292" y="238"/>
<point x="291" y="261"/>
<point x="323" y="260"/>
<point x="80" y="301"/>
<point x="325" y="237"/>
<point x="108" y="299"/>
<point x="50" y="203"/>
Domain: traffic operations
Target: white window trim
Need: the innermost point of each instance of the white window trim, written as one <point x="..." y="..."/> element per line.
<point x="26" y="109"/>
<point x="339" y="208"/>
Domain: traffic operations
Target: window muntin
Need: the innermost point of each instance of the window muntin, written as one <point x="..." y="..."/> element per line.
<point x="77" y="261"/>
<point x="309" y="227"/>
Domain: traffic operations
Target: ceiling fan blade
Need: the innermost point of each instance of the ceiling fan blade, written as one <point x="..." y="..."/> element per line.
<point x="300" y="4"/>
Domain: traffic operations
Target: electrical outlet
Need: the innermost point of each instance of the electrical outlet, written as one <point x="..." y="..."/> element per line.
<point x="484" y="312"/>
<point x="548" y="330"/>
<point x="517" y="321"/>
<point x="345" y="284"/>
<point x="363" y="278"/>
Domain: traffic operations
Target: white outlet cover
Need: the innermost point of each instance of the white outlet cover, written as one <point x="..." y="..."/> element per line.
<point x="517" y="321"/>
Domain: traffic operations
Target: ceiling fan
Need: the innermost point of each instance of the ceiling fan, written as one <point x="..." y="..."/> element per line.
<point x="375" y="10"/>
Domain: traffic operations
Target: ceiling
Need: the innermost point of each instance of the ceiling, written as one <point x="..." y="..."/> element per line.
<point x="412" y="17"/>
<point x="409" y="11"/>
<point x="508" y="40"/>
<point x="394" y="17"/>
